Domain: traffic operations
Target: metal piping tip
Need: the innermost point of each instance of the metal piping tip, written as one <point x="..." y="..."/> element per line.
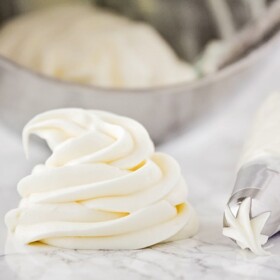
<point x="244" y="229"/>
<point x="252" y="213"/>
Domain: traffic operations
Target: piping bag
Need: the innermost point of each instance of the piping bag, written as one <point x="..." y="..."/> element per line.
<point x="252" y="213"/>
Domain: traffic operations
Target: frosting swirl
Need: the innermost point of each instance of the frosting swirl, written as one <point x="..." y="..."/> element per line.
<point x="103" y="187"/>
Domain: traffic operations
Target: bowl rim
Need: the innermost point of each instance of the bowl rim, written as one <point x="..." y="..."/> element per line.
<point x="240" y="64"/>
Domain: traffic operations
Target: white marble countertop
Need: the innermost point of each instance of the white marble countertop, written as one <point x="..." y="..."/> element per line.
<point x="208" y="154"/>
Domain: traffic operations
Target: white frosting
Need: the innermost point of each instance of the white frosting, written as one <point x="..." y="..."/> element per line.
<point x="89" y="45"/>
<point x="264" y="140"/>
<point x="212" y="57"/>
<point x="103" y="187"/>
<point x="244" y="230"/>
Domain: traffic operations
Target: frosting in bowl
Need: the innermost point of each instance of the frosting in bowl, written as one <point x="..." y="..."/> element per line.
<point x="89" y="45"/>
<point x="103" y="187"/>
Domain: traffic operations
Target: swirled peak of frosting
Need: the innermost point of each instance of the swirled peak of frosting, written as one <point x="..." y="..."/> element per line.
<point x="103" y="187"/>
<point x="77" y="136"/>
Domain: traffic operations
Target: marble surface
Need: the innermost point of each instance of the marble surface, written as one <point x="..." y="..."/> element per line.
<point x="208" y="154"/>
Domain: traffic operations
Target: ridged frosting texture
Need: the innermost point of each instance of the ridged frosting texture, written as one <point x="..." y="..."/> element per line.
<point x="89" y="45"/>
<point x="103" y="186"/>
<point x="244" y="229"/>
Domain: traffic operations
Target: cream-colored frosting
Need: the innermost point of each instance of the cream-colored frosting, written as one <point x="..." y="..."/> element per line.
<point x="89" y="45"/>
<point x="264" y="140"/>
<point x="246" y="231"/>
<point x="103" y="187"/>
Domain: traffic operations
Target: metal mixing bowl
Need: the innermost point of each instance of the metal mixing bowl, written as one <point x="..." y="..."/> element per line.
<point x="165" y="110"/>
